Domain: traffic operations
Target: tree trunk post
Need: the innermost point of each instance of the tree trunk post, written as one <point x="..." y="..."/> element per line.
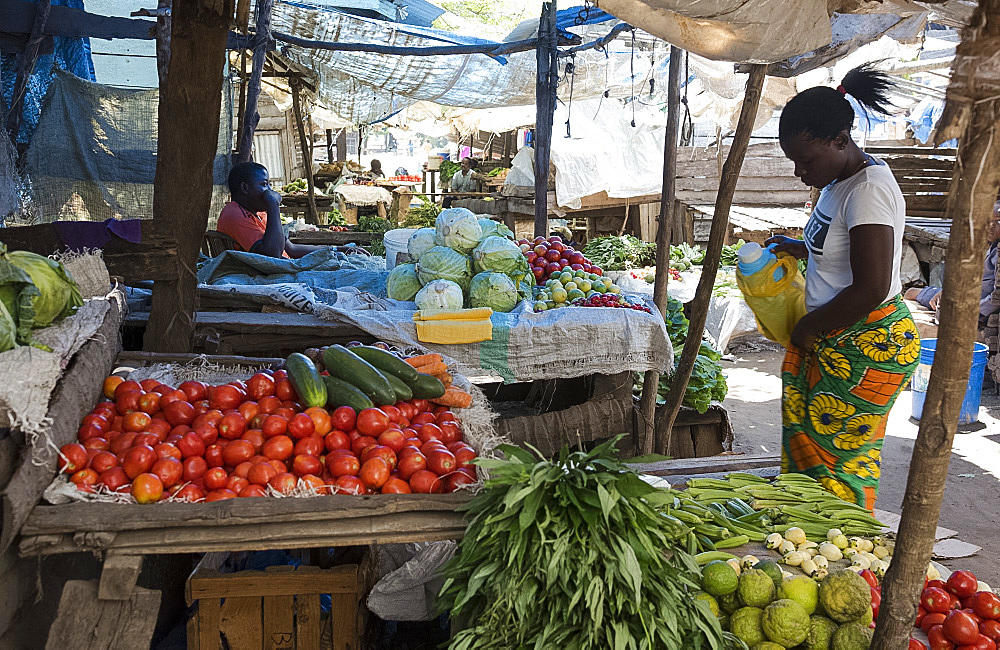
<point x="25" y="65"/>
<point x="164" y="9"/>
<point x="545" y="106"/>
<point x="972" y="114"/>
<point x="713" y="256"/>
<point x="651" y="381"/>
<point x="312" y="216"/>
<point x="251" y="117"/>
<point x="189" y="110"/>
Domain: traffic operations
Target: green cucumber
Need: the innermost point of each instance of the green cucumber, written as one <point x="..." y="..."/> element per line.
<point x="306" y="380"/>
<point x="344" y="364"/>
<point x="426" y="387"/>
<point x="386" y="362"/>
<point x="403" y="392"/>
<point x="341" y="393"/>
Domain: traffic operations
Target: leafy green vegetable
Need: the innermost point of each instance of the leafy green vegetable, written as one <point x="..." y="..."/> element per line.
<point x="729" y="256"/>
<point x="683" y="256"/>
<point x="377" y="226"/>
<point x="448" y="169"/>
<point x="618" y="253"/>
<point x="573" y="553"/>
<point x="677" y="322"/>
<point x="422" y="216"/>
<point x="335" y="218"/>
<point x="36" y="291"/>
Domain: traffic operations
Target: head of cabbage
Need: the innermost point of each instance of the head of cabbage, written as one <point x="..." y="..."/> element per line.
<point x="491" y="227"/>
<point x="500" y="255"/>
<point x="440" y="294"/>
<point x="493" y="290"/>
<point x="458" y="228"/>
<point x="402" y="283"/>
<point x="420" y="242"/>
<point x="36" y="290"/>
<point x="443" y="263"/>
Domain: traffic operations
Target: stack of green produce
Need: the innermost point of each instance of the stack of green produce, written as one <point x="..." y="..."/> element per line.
<point x="335" y="218"/>
<point x="729" y="253"/>
<point x="298" y="185"/>
<point x="35" y="292"/>
<point x="619" y="253"/>
<point x="448" y="169"/>
<point x="572" y="553"/>
<point x="378" y="227"/>
<point x="422" y="216"/>
<point x="463" y="261"/>
<point x="684" y="256"/>
<point x="715" y="526"/>
<point x="768" y="611"/>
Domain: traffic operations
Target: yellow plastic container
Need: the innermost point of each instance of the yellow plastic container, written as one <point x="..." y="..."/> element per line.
<point x="776" y="293"/>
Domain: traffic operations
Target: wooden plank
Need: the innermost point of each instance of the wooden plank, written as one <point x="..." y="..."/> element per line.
<point x="240" y="621"/>
<point x="344" y="620"/>
<point x="781" y="197"/>
<point x="278" y="621"/>
<point x="72" y="398"/>
<point x="17" y="18"/>
<point x="307" y="621"/>
<point x="261" y="323"/>
<point x="926" y="151"/>
<point x="710" y="464"/>
<point x="209" y="618"/>
<point x="331" y="238"/>
<point x="140" y="358"/>
<point x="83" y="621"/>
<point x="755" y="167"/>
<point x="118" y="576"/>
<point x="752" y="184"/>
<point x="209" y="584"/>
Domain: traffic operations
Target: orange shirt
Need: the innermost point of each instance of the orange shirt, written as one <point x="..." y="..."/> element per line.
<point x="242" y="225"/>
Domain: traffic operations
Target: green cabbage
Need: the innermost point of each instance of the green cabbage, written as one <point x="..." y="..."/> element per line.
<point x="403" y="283"/>
<point x="420" y="242"/>
<point x="491" y="227"/>
<point x="440" y="294"/>
<point x="443" y="263"/>
<point x="500" y="255"/>
<point x="493" y="290"/>
<point x="458" y="228"/>
<point x="8" y="329"/>
<point x="37" y="291"/>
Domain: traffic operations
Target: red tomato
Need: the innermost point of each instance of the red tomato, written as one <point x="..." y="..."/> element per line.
<point x="232" y="425"/>
<point x="261" y="473"/>
<point x="208" y="433"/>
<point x="430" y="432"/>
<point x="195" y="390"/>
<point x="422" y="418"/>
<point x="190" y="493"/>
<point x="88" y="431"/>
<point x="301" y="426"/>
<point x="441" y="462"/>
<point x="225" y="397"/>
<point x="160" y="428"/>
<point x="990" y="628"/>
<point x="959" y="627"/>
<point x="360" y="443"/>
<point x="256" y="438"/>
<point x="177" y="413"/>
<point x="432" y="445"/>
<point x="138" y="460"/>
<point x="249" y="410"/>
<point x="191" y="445"/>
<point x="253" y="491"/>
<point x="243" y="468"/>
<point x="962" y="583"/>
<point x="320" y="419"/>
<point x="150" y="403"/>
<point x="380" y="451"/>
<point x="311" y="446"/>
<point x="938" y="640"/>
<point x="128" y="401"/>
<point x="278" y="448"/>
<point x="395" y="415"/>
<point x="305" y="464"/>
<point x="268" y="405"/>
<point x="237" y="451"/>
<point x="102" y="461"/>
<point x="220" y="495"/>
<point x="260" y="385"/>
<point x="971" y="613"/>
<point x="342" y="465"/>
<point x="450" y="432"/>
<point x="464" y="456"/>
<point x="169" y="470"/>
<point x="278" y="465"/>
<point x="372" y="422"/>
<point x="374" y="473"/>
<point x="936" y="583"/>
<point x="147" y="488"/>
<point x="274" y="425"/>
<point x="421" y="405"/>
<point x="392" y="438"/>
<point x="215" y="478"/>
<point x="73" y="458"/>
<point x="96" y="443"/>
<point x="457" y="479"/>
<point x="315" y="482"/>
<point x="236" y="483"/>
<point x="410" y="464"/>
<point x="284" y="391"/>
<point x="148" y="439"/>
<point x="396" y="486"/>
<point x="930" y="620"/>
<point x="208" y="417"/>
<point x="170" y="397"/>
<point x="349" y="485"/>
<point x="336" y="439"/>
<point x="446" y="416"/>
<point x="85" y="479"/>
<point x="283" y="482"/>
<point x="194" y="468"/>
<point x="935" y="599"/>
<point x="213" y="455"/>
<point x="869" y="577"/>
<point x="113" y="478"/>
<point x="426" y="482"/>
<point x="407" y="409"/>
<point x="921" y="613"/>
<point x="126" y="387"/>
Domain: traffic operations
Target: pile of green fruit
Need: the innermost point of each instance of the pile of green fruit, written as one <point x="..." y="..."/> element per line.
<point x="768" y="611"/>
<point x="562" y="290"/>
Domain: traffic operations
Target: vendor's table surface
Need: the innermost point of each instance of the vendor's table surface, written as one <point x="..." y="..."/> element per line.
<point x="331" y="238"/>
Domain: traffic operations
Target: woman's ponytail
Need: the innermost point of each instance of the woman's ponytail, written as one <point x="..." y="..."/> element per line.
<point x="869" y="87"/>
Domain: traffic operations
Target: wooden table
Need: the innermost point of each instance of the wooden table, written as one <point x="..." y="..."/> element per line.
<point x="331" y="238"/>
<point x="929" y="240"/>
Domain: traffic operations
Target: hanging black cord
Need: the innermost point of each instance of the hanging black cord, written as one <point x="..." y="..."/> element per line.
<point x="571" y="71"/>
<point x="687" y="126"/>
<point x="631" y="66"/>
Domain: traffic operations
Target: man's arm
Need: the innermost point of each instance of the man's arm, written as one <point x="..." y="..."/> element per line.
<point x="301" y="250"/>
<point x="273" y="241"/>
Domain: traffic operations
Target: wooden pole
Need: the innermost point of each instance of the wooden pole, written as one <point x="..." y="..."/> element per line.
<point x="545" y="105"/>
<point x="651" y="381"/>
<point x="25" y="65"/>
<point x="716" y="240"/>
<point x="972" y="114"/>
<point x="312" y="216"/>
<point x="251" y="116"/>
<point x="190" y="105"/>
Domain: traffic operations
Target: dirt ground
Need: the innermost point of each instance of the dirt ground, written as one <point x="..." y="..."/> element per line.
<point x="970" y="505"/>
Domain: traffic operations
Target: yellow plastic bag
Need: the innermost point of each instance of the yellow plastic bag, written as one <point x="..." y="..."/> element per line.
<point x="777" y="306"/>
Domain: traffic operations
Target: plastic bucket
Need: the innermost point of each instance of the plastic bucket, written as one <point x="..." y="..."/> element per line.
<point x="970" y="405"/>
<point x="395" y="246"/>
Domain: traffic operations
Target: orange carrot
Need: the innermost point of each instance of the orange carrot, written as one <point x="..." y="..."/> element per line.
<point x="424" y="359"/>
<point x="445" y="379"/>
<point x="454" y="397"/>
<point x="432" y="368"/>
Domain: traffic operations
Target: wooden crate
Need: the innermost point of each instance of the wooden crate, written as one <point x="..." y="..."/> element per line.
<point x="275" y="608"/>
<point x="696" y="435"/>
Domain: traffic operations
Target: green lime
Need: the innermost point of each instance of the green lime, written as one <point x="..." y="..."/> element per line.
<point x="565" y="277"/>
<point x="719" y="579"/>
<point x="852" y="636"/>
<point x="821" y="630"/>
<point x="540" y="305"/>
<point x="756" y="588"/>
<point x="614" y="289"/>
<point x="559" y="295"/>
<point x="772" y="569"/>
<point x="574" y="294"/>
<point x="569" y="286"/>
<point x="580" y="274"/>
<point x="584" y="285"/>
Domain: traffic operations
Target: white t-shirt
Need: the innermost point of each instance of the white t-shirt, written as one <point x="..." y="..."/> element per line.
<point x="871" y="196"/>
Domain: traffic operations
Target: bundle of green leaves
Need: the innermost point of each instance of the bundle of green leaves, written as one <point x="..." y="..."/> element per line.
<point x="378" y="227"/>
<point x="572" y="553"/>
<point x="620" y="252"/>
<point x="423" y="216"/>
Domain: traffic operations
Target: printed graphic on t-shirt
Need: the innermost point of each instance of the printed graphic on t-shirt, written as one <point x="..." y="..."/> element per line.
<point x="816" y="231"/>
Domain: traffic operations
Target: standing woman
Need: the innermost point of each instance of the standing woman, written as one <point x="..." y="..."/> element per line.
<point x="857" y="345"/>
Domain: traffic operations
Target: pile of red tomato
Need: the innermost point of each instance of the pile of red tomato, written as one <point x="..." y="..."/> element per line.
<point x="548" y="256"/>
<point x="209" y="443"/>
<point x="954" y="614"/>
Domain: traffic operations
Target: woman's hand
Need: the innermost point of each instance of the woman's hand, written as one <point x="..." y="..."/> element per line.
<point x="794" y="247"/>
<point x="804" y="335"/>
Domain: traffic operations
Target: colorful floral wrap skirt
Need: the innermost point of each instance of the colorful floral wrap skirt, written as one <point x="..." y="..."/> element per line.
<point x="836" y="400"/>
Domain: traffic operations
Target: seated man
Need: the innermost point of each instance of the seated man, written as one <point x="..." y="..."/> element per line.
<point x="465" y="180"/>
<point x="252" y="217"/>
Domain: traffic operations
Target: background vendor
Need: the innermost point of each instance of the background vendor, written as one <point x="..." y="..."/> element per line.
<point x="377" y="169"/>
<point x="253" y="219"/>
<point x="464" y="180"/>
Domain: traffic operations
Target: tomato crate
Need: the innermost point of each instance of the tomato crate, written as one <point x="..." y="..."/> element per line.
<point x="276" y="608"/>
